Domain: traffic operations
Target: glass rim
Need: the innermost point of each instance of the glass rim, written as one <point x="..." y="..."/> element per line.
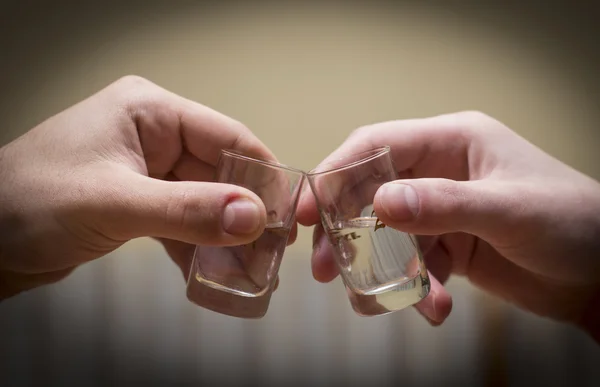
<point x="273" y="164"/>
<point x="364" y="156"/>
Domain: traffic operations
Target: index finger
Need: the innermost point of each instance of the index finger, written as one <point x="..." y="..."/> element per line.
<point x="424" y="147"/>
<point x="168" y="123"/>
<point x="206" y="132"/>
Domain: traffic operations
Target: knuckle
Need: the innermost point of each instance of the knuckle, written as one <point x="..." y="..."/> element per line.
<point x="453" y="196"/>
<point x="184" y="213"/>
<point x="473" y="116"/>
<point x="128" y="82"/>
<point x="467" y="124"/>
<point x="474" y="121"/>
<point x="134" y="91"/>
<point x="140" y="98"/>
<point x="239" y="127"/>
<point x="478" y="125"/>
<point x="361" y="130"/>
<point x="244" y="135"/>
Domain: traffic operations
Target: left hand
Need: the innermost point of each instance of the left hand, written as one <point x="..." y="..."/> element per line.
<point x="130" y="161"/>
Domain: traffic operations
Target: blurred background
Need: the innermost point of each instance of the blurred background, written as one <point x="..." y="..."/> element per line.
<point x="302" y="76"/>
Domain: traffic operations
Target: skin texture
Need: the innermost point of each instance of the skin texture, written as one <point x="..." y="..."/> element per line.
<point x="132" y="160"/>
<point x="136" y="160"/>
<point x="488" y="205"/>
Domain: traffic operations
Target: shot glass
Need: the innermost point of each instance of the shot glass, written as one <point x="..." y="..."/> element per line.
<point x="239" y="280"/>
<point x="382" y="268"/>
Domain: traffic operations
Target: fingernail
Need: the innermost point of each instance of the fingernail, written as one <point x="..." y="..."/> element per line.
<point x="399" y="201"/>
<point x="241" y="216"/>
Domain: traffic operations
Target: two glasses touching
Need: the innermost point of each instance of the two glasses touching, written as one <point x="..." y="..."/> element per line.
<point x="382" y="268"/>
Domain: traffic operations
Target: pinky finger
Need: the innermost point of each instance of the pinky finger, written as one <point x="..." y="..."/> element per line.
<point x="437" y="305"/>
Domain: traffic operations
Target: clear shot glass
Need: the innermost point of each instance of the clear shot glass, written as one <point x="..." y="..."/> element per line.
<point x="382" y="268"/>
<point x="239" y="280"/>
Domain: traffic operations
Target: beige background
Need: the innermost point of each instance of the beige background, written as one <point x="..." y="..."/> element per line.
<point x="302" y="78"/>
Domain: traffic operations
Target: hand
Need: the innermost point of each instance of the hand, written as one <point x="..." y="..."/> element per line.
<point x="487" y="205"/>
<point x="133" y="160"/>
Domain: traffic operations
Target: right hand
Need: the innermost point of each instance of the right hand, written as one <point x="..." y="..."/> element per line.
<point x="515" y="221"/>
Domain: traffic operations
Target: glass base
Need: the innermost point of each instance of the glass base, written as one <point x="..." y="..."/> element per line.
<point x="390" y="299"/>
<point x="227" y="303"/>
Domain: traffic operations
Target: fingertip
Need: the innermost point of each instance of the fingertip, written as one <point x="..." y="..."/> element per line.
<point x="293" y="235"/>
<point x="443" y="306"/>
<point x="397" y="202"/>
<point x="436" y="307"/>
<point x="323" y="264"/>
<point x="244" y="215"/>
<point x="309" y="219"/>
<point x="241" y="216"/>
<point x="306" y="212"/>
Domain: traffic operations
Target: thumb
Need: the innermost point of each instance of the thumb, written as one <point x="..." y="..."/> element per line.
<point x="203" y="213"/>
<point x="432" y="206"/>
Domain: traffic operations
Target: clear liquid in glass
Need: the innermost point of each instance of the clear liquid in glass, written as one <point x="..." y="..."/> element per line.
<point x="382" y="268"/>
<point x="238" y="280"/>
